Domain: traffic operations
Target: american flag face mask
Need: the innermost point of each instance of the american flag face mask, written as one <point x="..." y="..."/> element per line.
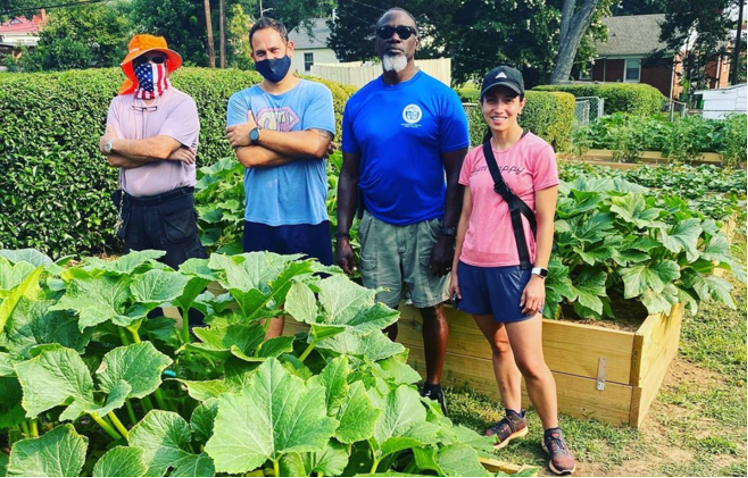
<point x="152" y="80"/>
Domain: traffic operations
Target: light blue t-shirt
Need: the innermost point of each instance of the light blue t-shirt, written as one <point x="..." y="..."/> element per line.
<point x="293" y="193"/>
<point x="400" y="132"/>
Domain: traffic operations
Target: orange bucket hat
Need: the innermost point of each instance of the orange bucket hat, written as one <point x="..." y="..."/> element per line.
<point x="139" y="45"/>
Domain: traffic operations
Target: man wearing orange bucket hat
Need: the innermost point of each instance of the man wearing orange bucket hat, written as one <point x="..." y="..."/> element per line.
<point x="152" y="135"/>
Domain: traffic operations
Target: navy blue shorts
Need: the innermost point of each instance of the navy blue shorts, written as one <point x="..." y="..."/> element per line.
<point x="314" y="240"/>
<point x="493" y="291"/>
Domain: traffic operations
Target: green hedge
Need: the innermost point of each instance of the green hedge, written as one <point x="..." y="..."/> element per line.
<point x="548" y="115"/>
<point x="635" y="98"/>
<point x="54" y="184"/>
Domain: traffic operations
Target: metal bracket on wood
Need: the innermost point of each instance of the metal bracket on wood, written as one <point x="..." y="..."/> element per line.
<point x="602" y="368"/>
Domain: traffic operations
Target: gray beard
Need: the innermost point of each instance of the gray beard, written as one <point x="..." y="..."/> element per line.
<point x="396" y="63"/>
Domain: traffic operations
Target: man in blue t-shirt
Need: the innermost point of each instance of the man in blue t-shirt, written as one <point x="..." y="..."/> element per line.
<point x="402" y="133"/>
<point x="281" y="130"/>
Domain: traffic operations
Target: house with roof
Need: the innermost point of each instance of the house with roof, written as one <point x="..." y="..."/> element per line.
<point x="20" y="31"/>
<point x="624" y="56"/>
<point x="310" y="46"/>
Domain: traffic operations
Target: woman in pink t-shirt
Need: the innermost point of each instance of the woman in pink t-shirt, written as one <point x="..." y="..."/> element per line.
<point x="499" y="274"/>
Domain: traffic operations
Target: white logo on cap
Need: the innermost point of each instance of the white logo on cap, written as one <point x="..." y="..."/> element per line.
<point x="501" y="75"/>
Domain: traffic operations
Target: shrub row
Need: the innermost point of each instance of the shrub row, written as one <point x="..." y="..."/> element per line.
<point x="635" y="98"/>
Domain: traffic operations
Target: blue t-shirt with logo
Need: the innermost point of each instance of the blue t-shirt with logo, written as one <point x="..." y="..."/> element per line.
<point x="296" y="192"/>
<point x="400" y="132"/>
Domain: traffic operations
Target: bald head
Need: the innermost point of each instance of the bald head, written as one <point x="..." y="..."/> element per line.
<point x="397" y="14"/>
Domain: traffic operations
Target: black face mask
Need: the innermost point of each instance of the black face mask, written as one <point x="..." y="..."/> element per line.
<point x="274" y="70"/>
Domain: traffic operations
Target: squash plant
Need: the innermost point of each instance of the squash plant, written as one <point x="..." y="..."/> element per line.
<point x="94" y="381"/>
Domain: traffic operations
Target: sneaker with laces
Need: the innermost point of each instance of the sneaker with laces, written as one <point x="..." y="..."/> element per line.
<point x="561" y="460"/>
<point x="512" y="426"/>
<point x="434" y="392"/>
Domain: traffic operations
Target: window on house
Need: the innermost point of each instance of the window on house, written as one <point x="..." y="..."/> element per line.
<point x="308" y="61"/>
<point x="633" y="71"/>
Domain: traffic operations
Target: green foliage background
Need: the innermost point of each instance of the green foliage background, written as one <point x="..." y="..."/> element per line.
<point x="638" y="99"/>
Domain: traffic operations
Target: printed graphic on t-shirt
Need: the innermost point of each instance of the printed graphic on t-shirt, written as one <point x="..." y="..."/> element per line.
<point x="278" y="119"/>
<point x="412" y="114"/>
<point x="517" y="170"/>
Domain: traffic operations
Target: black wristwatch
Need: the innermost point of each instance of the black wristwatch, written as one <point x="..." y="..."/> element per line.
<point x="540" y="272"/>
<point x="448" y="231"/>
<point x="254" y="135"/>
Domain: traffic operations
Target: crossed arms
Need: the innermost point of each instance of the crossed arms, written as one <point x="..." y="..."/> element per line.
<point x="134" y="153"/>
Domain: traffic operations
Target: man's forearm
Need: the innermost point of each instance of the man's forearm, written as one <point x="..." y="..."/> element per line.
<point x="117" y="161"/>
<point x="157" y="148"/>
<point x="308" y="144"/>
<point x="347" y="202"/>
<point x="455" y="191"/>
<point x="260" y="157"/>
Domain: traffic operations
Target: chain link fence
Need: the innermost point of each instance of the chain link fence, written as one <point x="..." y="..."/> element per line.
<point x="588" y="108"/>
<point x="675" y="109"/>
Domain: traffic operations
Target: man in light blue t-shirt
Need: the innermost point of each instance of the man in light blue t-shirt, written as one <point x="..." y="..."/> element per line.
<point x="402" y="134"/>
<point x="281" y="130"/>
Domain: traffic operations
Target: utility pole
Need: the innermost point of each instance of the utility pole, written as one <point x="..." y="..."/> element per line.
<point x="736" y="49"/>
<point x="222" y="31"/>
<point x="209" y="27"/>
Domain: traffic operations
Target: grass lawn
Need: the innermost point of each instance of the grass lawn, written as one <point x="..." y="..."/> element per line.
<point x="696" y="427"/>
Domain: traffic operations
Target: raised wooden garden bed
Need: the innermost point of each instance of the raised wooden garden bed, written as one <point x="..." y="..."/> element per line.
<point x="601" y="373"/>
<point x="605" y="157"/>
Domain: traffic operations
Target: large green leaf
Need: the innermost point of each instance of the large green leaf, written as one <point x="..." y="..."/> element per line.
<point x="640" y="278"/>
<point x="589" y="287"/>
<point x="275" y="413"/>
<point x="403" y="424"/>
<point x="60" y="452"/>
<point x="249" y="271"/>
<point x="33" y="323"/>
<point x="125" y="265"/>
<point x="683" y="236"/>
<point x="717" y="249"/>
<point x="202" y="390"/>
<point x="121" y="461"/>
<point x="343" y="299"/>
<point x="329" y="462"/>
<point x="633" y="208"/>
<point x="12" y="275"/>
<point x="196" y="466"/>
<point x="593" y="228"/>
<point x="55" y="377"/>
<point x="96" y="300"/>
<point x="301" y="303"/>
<point x="165" y="438"/>
<point x="395" y="370"/>
<point x="203" y="418"/>
<point x="140" y="365"/>
<point x="357" y="415"/>
<point x="221" y="339"/>
<point x="374" y="346"/>
<point x="28" y="288"/>
<point x="29" y="256"/>
<point x="157" y="286"/>
<point x="334" y="378"/>
<point x="460" y="460"/>
<point x="721" y="290"/>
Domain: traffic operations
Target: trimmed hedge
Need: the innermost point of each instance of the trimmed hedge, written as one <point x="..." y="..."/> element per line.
<point x="54" y="185"/>
<point x="548" y="115"/>
<point x="635" y="98"/>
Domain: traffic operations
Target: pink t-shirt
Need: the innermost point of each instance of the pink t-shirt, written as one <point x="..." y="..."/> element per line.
<point x="529" y="165"/>
<point x="175" y="115"/>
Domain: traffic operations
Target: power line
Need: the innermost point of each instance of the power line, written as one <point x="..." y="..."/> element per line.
<point x="51" y="7"/>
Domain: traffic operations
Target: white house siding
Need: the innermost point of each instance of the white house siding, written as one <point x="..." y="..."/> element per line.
<point x="321" y="55"/>
<point x="721" y="102"/>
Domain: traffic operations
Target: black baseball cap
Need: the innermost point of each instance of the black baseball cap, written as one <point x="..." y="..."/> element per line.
<point x="503" y="76"/>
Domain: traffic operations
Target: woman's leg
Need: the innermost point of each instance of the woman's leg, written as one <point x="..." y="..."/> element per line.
<point x="526" y="339"/>
<point x="507" y="374"/>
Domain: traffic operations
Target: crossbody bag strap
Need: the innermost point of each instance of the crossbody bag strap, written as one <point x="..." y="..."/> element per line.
<point x="517" y="207"/>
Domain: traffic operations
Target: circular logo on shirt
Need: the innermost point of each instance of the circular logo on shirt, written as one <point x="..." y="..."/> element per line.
<point x="412" y="114"/>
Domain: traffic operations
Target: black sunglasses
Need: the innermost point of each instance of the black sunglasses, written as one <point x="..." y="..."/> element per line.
<point x="143" y="59"/>
<point x="404" y="32"/>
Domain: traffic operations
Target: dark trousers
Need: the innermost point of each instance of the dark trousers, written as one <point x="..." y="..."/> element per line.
<point x="164" y="222"/>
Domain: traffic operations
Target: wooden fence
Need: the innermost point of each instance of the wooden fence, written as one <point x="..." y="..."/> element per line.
<point x="358" y="74"/>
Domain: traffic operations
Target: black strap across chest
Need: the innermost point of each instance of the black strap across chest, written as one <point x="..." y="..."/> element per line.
<point x="517" y="207"/>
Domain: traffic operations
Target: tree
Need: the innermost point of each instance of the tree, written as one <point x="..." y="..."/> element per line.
<point x="700" y="29"/>
<point x="638" y="7"/>
<point x="574" y="25"/>
<point x="238" y="39"/>
<point x="85" y="36"/>
<point x="477" y="35"/>
<point x="209" y="32"/>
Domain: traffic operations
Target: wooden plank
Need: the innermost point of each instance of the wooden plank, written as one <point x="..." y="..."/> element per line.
<point x="568" y="347"/>
<point x="577" y="396"/>
<point x="644" y="156"/>
<point x="495" y="466"/>
<point x="659" y="337"/>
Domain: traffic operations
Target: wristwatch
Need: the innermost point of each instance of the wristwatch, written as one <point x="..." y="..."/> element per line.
<point x="448" y="231"/>
<point x="540" y="272"/>
<point x="108" y="145"/>
<point x="254" y="135"/>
